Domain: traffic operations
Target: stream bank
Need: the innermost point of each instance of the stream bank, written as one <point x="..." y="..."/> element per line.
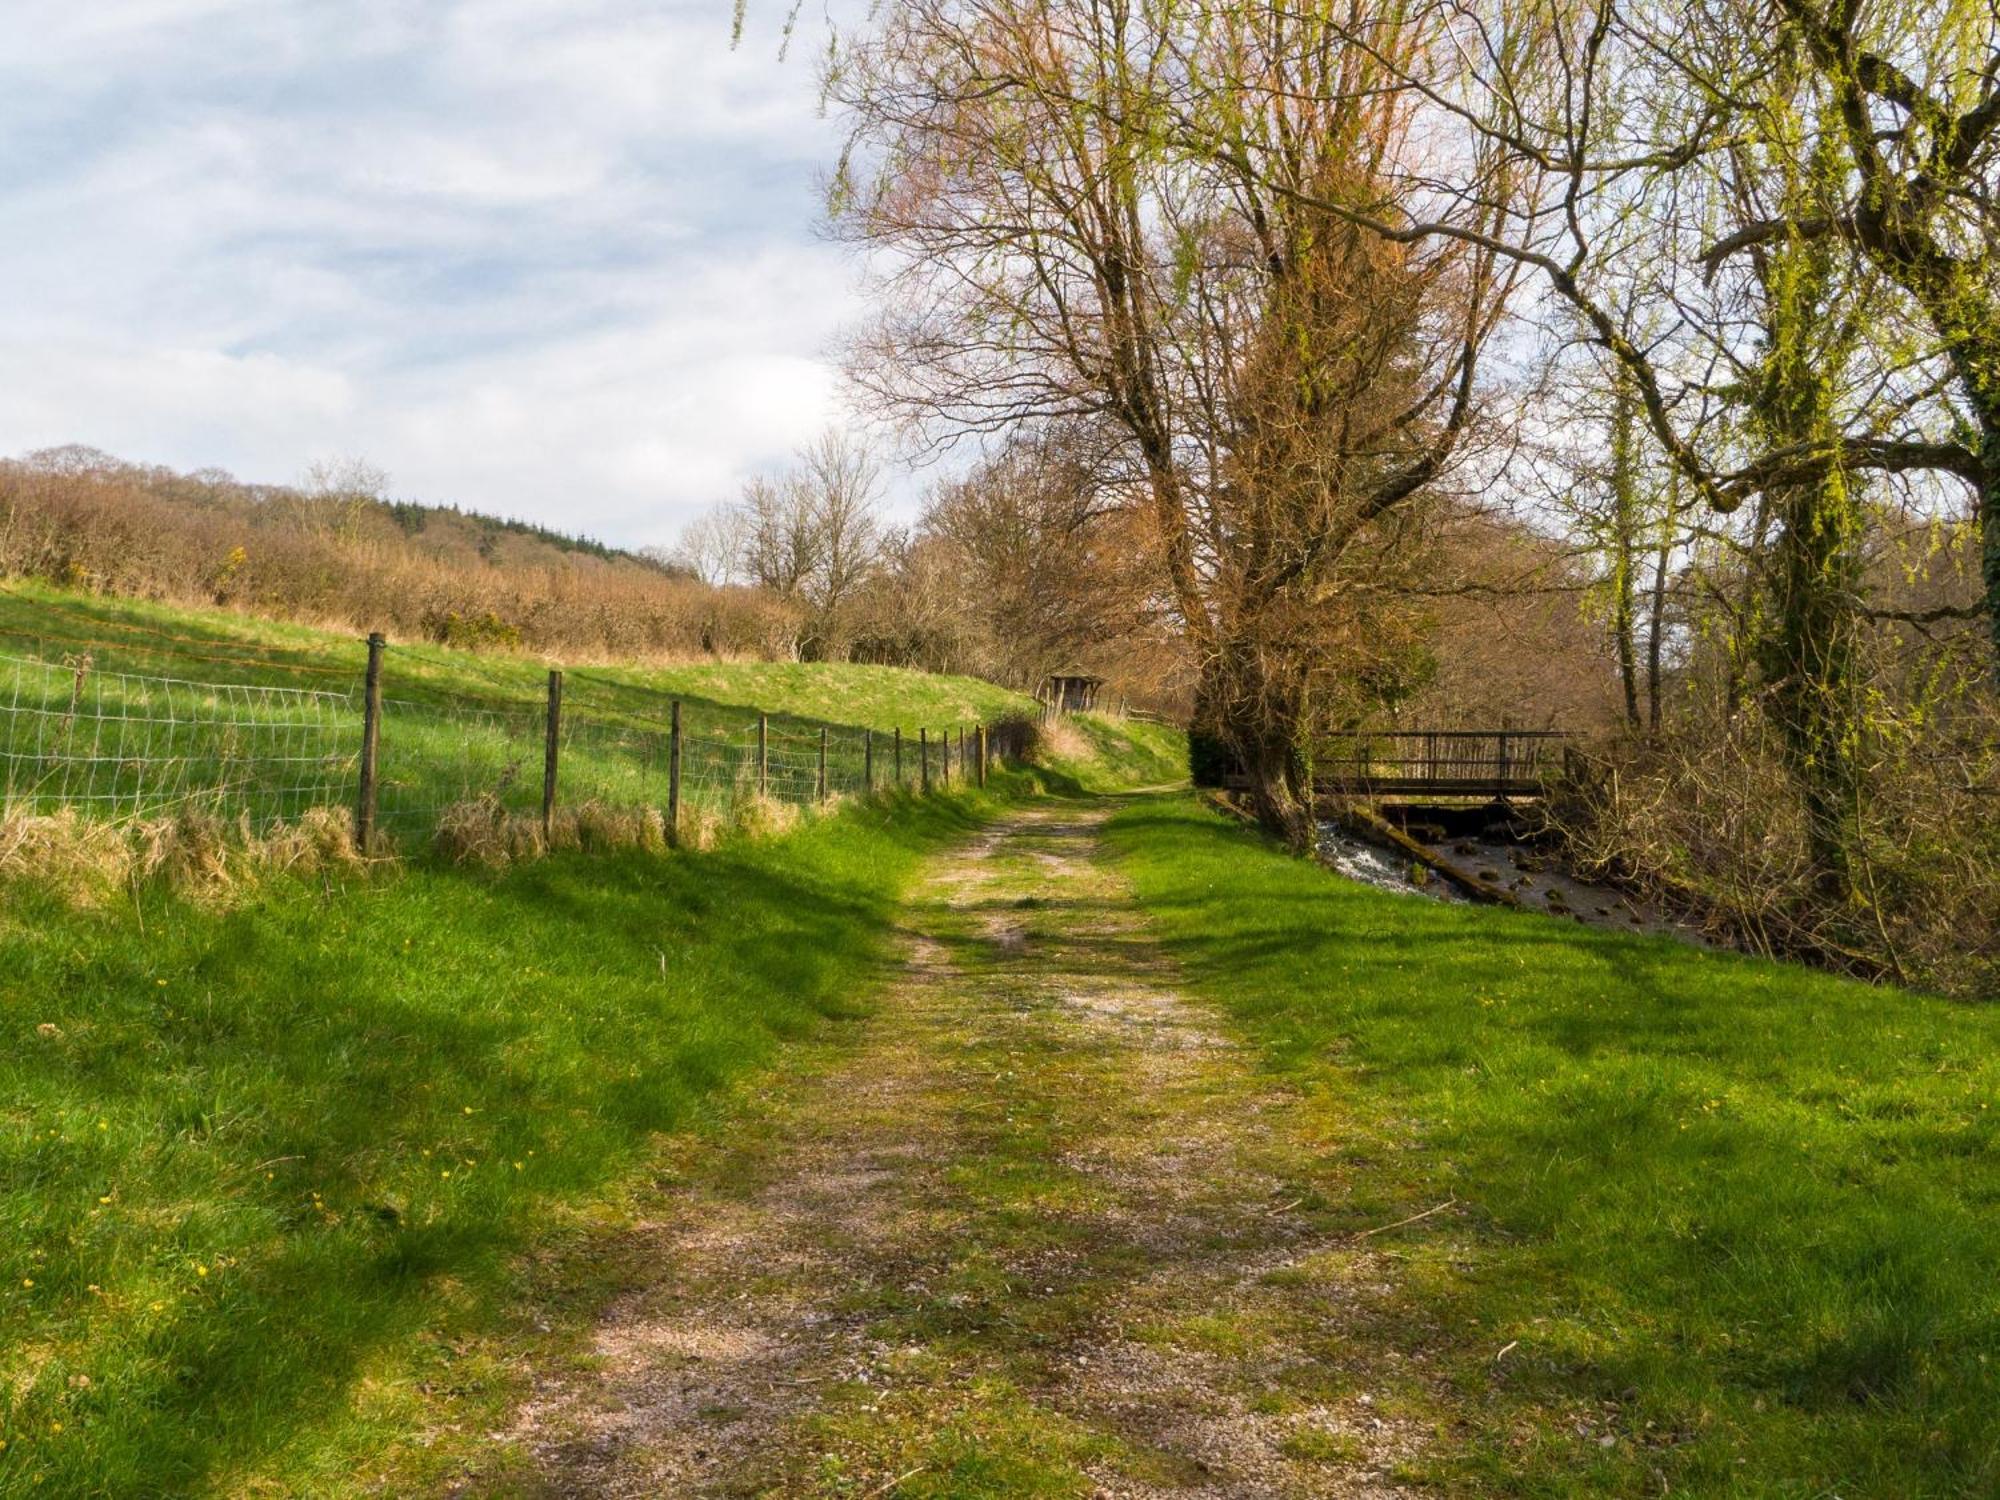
<point x="1495" y="848"/>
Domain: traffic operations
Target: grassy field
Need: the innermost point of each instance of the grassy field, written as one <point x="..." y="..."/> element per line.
<point x="130" y="635"/>
<point x="283" y="732"/>
<point x="1715" y="1226"/>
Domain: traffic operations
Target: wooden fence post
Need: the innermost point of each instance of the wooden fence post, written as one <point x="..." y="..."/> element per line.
<point x="868" y="760"/>
<point x="924" y="754"/>
<point x="371" y="736"/>
<point x="674" y="774"/>
<point x="944" y="759"/>
<point x="763" y="755"/>
<point x="822" y="763"/>
<point x="899" y="755"/>
<point x="982" y="755"/>
<point x="551" y="753"/>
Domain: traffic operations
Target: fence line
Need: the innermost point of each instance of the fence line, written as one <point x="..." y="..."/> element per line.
<point x="119" y="746"/>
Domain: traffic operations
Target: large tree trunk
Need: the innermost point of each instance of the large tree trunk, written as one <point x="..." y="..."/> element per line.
<point x="1656" y="634"/>
<point x="1625" y="544"/>
<point x="1807" y="645"/>
<point x="1809" y="662"/>
<point x="1280" y="784"/>
<point x="1258" y="714"/>
<point x="1989" y="521"/>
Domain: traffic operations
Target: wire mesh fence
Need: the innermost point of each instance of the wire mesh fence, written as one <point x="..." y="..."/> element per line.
<point x="118" y="746"/>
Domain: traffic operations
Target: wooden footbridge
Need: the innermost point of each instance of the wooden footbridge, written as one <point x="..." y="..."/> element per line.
<point x="1485" y="763"/>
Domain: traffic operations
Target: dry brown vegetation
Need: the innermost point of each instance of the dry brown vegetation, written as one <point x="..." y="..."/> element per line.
<point x="88" y="861"/>
<point x="337" y="551"/>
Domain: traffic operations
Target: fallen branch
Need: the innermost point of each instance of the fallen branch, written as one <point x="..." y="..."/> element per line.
<point x="1370" y="824"/>
<point x="1412" y="1219"/>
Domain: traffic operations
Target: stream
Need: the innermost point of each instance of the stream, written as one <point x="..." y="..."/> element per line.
<point x="1532" y="876"/>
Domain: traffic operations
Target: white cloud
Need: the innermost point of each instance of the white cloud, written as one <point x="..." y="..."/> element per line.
<point x="548" y="257"/>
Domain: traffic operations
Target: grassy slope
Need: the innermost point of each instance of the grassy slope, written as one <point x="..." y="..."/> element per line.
<point x="1736" y="1217"/>
<point x="1124" y="753"/>
<point x="134" y="636"/>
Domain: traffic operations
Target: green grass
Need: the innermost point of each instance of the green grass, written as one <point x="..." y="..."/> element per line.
<point x="129" y="635"/>
<point x="1723" y="1226"/>
<point x="266" y="1170"/>
<point x="457" y="725"/>
<point x="1120" y="754"/>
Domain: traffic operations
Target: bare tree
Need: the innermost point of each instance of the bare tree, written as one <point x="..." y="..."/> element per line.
<point x="813" y="535"/>
<point x="1049" y="581"/>
<point x="336" y="492"/>
<point x="839" y="483"/>
<point x="711" y="546"/>
<point x="781" y="545"/>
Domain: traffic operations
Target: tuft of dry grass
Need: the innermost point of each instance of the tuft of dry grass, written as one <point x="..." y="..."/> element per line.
<point x="482" y="832"/>
<point x="764" y="817"/>
<point x="79" y="860"/>
<point x="1060" y="740"/>
<point x="701" y="828"/>
<point x="322" y="838"/>
<point x="87" y="862"/>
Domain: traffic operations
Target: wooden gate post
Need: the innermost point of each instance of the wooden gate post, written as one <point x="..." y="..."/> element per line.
<point x="982" y="755"/>
<point x="868" y="761"/>
<point x="822" y="764"/>
<point x="763" y="755"/>
<point x="371" y="736"/>
<point x="674" y="774"/>
<point x="924" y="754"/>
<point x="551" y="754"/>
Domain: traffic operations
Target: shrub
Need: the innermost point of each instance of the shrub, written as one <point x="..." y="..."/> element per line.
<point x="1209" y="759"/>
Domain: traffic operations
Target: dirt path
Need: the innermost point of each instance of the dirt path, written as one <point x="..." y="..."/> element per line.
<point x="1042" y="1235"/>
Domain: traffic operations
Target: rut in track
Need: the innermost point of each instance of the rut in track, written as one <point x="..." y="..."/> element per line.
<point x="1041" y="1234"/>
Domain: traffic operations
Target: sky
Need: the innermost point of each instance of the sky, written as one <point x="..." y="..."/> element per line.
<point x="554" y="259"/>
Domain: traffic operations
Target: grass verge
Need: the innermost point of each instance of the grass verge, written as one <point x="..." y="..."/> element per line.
<point x="1718" y="1226"/>
<point x="266" y="1169"/>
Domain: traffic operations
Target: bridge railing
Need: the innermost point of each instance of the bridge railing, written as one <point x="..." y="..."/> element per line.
<point x="1446" y="762"/>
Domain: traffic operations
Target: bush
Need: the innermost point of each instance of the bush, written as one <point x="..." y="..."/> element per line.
<point x="1209" y="759"/>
